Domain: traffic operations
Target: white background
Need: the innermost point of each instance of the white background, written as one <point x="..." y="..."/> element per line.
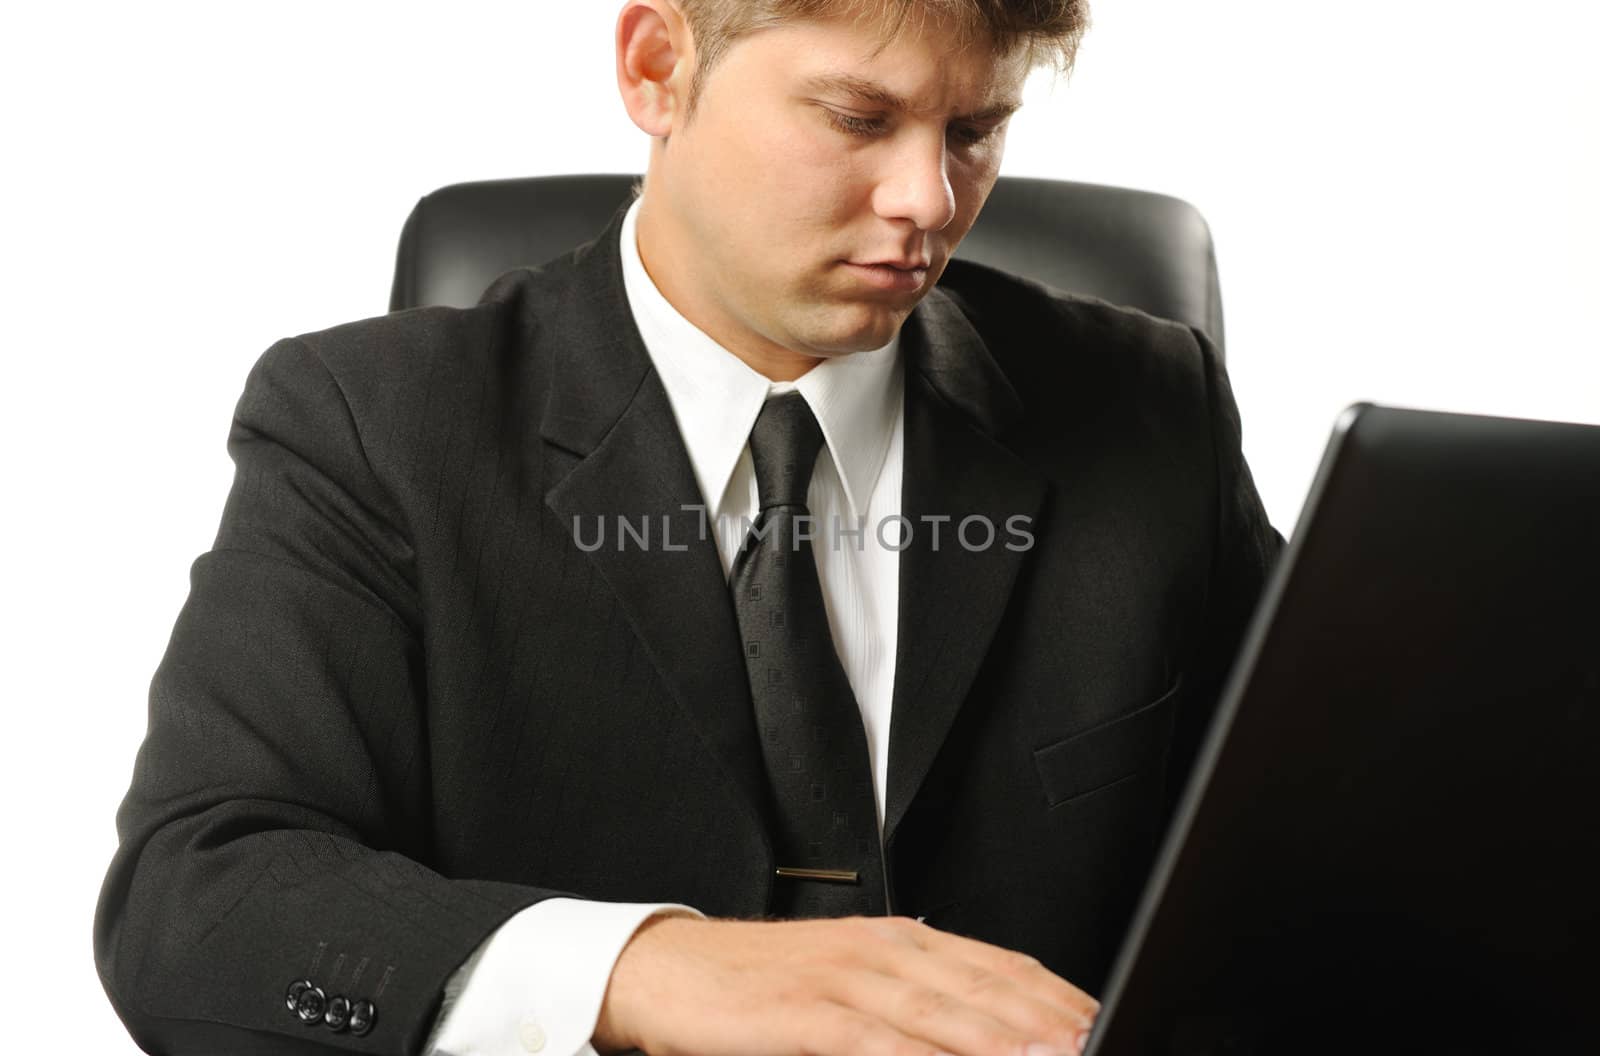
<point x="1402" y="194"/>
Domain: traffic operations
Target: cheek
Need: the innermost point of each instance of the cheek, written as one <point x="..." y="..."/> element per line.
<point x="764" y="172"/>
<point x="970" y="182"/>
<point x="801" y="154"/>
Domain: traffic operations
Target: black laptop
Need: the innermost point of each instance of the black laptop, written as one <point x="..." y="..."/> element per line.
<point x="1391" y="838"/>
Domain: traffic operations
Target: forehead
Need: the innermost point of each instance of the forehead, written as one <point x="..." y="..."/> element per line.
<point x="921" y="68"/>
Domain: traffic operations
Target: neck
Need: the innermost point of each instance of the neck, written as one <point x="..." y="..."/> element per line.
<point x="673" y="275"/>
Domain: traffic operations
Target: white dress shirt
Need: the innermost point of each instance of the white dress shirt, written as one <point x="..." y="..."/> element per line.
<point x="537" y="983"/>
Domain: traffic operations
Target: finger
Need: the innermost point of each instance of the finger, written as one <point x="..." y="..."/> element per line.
<point x="1004" y="997"/>
<point x="835" y="1029"/>
<point x="938" y="1018"/>
<point x="1038" y="980"/>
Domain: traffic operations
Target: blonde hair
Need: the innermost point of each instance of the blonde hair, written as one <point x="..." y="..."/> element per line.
<point x="1049" y="30"/>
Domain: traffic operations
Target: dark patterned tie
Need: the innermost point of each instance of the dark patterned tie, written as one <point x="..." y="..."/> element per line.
<point x="811" y="732"/>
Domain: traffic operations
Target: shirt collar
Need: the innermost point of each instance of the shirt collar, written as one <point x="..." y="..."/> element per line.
<point x="716" y="396"/>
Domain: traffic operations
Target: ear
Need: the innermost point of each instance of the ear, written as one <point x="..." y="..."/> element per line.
<point x="655" y="62"/>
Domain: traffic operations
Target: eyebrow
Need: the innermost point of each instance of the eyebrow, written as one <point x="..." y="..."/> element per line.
<point x="868" y="91"/>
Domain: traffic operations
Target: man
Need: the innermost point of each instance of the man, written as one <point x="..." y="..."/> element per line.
<point x="437" y="764"/>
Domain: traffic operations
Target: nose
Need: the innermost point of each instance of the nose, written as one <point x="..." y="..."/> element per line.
<point x="916" y="184"/>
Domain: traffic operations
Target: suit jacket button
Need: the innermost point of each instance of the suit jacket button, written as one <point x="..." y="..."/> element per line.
<point x="363" y="1014"/>
<point x="337" y="1016"/>
<point x="296" y="988"/>
<point x="310" y="1005"/>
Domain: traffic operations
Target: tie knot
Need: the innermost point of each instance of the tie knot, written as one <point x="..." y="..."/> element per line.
<point x="784" y="445"/>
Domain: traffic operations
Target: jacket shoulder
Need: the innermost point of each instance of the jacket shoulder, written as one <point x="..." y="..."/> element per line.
<point x="421" y="365"/>
<point x="404" y="346"/>
<point x="1079" y="362"/>
<point x="1043" y="336"/>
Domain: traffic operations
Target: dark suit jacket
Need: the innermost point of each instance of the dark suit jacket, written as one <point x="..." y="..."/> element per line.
<point x="400" y="703"/>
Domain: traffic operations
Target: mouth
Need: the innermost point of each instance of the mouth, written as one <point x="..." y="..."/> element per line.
<point x="890" y="275"/>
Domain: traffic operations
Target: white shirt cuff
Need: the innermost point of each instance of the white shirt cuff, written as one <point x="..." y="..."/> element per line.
<point x="537" y="983"/>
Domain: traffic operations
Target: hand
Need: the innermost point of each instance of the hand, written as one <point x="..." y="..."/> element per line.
<point x="853" y="986"/>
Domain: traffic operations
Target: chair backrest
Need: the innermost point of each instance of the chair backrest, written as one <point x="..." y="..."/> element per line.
<point x="1129" y="247"/>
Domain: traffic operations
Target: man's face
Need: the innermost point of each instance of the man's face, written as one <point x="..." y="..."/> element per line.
<point x="783" y="207"/>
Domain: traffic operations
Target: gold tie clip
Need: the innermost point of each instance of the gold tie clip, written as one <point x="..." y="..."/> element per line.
<point x="842" y="876"/>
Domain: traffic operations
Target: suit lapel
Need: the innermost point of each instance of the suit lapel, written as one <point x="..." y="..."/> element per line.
<point x="608" y="407"/>
<point x="957" y="402"/>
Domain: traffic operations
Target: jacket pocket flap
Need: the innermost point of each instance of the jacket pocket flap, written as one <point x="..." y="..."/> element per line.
<point x="1102" y="755"/>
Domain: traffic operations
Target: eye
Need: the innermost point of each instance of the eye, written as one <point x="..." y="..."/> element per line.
<point x="972" y="135"/>
<point x="850" y="124"/>
<point x="853" y="125"/>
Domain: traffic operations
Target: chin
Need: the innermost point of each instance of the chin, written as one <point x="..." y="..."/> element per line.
<point x="864" y="340"/>
<point x="839" y="326"/>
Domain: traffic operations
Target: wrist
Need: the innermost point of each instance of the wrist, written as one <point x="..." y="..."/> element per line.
<point x="616" y="1030"/>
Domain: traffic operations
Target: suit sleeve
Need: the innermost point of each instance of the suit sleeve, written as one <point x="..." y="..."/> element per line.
<point x="276" y="827"/>
<point x="1245" y="548"/>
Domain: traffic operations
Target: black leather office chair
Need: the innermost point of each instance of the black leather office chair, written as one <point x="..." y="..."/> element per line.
<point x="1128" y="247"/>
